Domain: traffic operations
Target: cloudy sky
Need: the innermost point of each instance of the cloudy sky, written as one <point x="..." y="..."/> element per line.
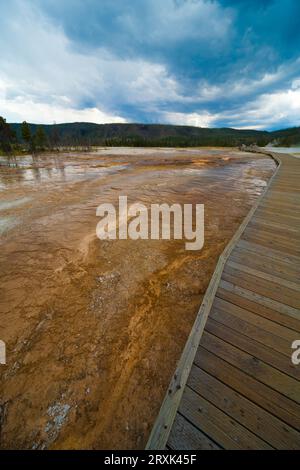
<point x="209" y="63"/>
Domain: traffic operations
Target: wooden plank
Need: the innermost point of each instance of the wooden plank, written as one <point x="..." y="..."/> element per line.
<point x="268" y="207"/>
<point x="263" y="353"/>
<point x="260" y="299"/>
<point x="274" y="217"/>
<point x="263" y="275"/>
<point x="280" y="207"/>
<point x="286" y="335"/>
<point x="216" y="424"/>
<point x="277" y="225"/>
<point x="259" y="393"/>
<point x="258" y="224"/>
<point x="269" y="199"/>
<point x="263" y="288"/>
<point x="252" y="331"/>
<point x="268" y="255"/>
<point x="185" y="436"/>
<point x="288" y="195"/>
<point x="281" y="186"/>
<point x="259" y="309"/>
<point x="279" y="204"/>
<point x="270" y="252"/>
<point x="273" y="244"/>
<point x="281" y="239"/>
<point x="256" y="368"/>
<point x="277" y="199"/>
<point x="288" y="214"/>
<point x="266" y="265"/>
<point x="262" y="423"/>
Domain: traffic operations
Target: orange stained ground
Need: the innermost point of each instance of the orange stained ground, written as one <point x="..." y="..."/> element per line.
<point x="94" y="328"/>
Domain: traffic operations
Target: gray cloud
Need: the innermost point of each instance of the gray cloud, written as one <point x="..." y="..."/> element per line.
<point x="201" y="62"/>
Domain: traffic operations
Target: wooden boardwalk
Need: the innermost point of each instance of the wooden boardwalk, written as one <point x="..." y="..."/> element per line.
<point x="235" y="386"/>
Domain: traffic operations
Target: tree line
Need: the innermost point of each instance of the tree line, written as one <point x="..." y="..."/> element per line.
<point x="19" y="138"/>
<point x="33" y="142"/>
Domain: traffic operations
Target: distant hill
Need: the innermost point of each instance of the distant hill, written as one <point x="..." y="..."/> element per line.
<point x="81" y="133"/>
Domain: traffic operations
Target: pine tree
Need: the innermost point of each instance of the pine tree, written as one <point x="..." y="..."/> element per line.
<point x="7" y="136"/>
<point x="26" y="133"/>
<point x="54" y="137"/>
<point x="40" y="138"/>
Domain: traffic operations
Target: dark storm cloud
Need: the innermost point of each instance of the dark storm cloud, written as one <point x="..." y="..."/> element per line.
<point x="188" y="61"/>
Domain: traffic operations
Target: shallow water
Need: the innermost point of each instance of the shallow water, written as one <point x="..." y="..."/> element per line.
<point x="94" y="328"/>
<point x="14" y="203"/>
<point x="293" y="150"/>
